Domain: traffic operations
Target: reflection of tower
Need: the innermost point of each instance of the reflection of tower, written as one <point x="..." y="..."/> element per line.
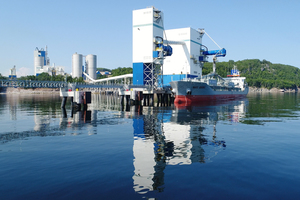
<point x="149" y="154"/>
<point x="78" y="118"/>
<point x="143" y="151"/>
<point x="239" y="112"/>
<point x="166" y="137"/>
<point x="180" y="136"/>
<point x="13" y="102"/>
<point x="42" y="122"/>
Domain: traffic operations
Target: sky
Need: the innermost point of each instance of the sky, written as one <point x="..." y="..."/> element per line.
<point x="247" y="29"/>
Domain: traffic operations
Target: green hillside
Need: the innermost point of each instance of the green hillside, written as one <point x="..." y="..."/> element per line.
<point x="260" y="73"/>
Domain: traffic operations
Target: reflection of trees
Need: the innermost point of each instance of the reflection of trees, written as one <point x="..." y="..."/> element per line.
<point x="271" y="105"/>
<point x="46" y="103"/>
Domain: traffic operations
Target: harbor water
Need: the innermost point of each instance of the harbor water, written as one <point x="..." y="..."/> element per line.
<point x="243" y="149"/>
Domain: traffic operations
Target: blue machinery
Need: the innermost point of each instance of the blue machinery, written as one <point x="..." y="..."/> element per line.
<point x="151" y="73"/>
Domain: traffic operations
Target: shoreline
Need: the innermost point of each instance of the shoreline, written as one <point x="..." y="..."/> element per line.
<point x="11" y="90"/>
<point x="272" y="90"/>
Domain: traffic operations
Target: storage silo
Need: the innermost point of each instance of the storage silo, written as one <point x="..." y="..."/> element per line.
<point x="39" y="60"/>
<point x="76" y="65"/>
<point x="91" y="65"/>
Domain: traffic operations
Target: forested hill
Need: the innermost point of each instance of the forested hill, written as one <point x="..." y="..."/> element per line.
<point x="260" y="73"/>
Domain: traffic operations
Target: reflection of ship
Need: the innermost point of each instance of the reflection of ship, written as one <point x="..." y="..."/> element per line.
<point x="209" y="87"/>
<point x="177" y="137"/>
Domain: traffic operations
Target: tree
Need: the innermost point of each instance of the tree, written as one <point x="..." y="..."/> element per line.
<point x="260" y="73"/>
<point x="2" y="77"/>
<point x="58" y="78"/>
<point x="121" y="71"/>
<point x="43" y="77"/>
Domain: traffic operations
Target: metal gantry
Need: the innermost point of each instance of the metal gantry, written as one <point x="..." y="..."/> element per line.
<point x="153" y="75"/>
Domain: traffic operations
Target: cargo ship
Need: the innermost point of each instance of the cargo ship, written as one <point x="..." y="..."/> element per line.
<point x="211" y="87"/>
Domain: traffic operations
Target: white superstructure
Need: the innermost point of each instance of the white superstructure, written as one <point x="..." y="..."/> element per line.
<point x="185" y="58"/>
<point x="146" y="25"/>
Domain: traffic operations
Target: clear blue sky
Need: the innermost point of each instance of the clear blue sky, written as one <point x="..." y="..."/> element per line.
<point x="248" y="29"/>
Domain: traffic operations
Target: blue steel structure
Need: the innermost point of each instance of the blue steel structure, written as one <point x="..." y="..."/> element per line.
<point x="217" y="53"/>
<point x="145" y="73"/>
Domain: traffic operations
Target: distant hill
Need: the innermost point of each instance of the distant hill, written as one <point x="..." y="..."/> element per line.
<point x="103" y="69"/>
<point x="121" y="71"/>
<point x="260" y="73"/>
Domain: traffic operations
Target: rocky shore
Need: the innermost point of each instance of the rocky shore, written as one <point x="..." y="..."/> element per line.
<point x="11" y="90"/>
<point x="273" y="90"/>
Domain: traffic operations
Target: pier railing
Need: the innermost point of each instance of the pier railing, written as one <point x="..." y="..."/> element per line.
<point x="32" y="84"/>
<point x="61" y="84"/>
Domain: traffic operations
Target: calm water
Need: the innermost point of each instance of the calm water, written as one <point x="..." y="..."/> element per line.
<point x="246" y="149"/>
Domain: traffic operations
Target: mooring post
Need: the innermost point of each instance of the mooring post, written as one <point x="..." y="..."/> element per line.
<point x="147" y="100"/>
<point x="63" y="102"/>
<point x="163" y="99"/>
<point x="171" y="99"/>
<point x="144" y="99"/>
<point x="122" y="99"/>
<point x="152" y="99"/>
<point x="167" y="99"/>
<point x="127" y="100"/>
<point x="64" y="112"/>
<point x="84" y="107"/>
<point x="158" y="97"/>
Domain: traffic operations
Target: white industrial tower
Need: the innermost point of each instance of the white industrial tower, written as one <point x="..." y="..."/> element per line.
<point x="148" y="48"/>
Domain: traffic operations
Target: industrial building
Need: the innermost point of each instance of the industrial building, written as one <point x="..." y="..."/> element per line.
<point x="12" y="73"/>
<point x="161" y="56"/>
<point x="42" y="63"/>
<point x="185" y="59"/>
<point x="78" y="69"/>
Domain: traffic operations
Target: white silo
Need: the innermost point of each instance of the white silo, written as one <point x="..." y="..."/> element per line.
<point x="39" y="60"/>
<point x="76" y="65"/>
<point x="91" y="65"/>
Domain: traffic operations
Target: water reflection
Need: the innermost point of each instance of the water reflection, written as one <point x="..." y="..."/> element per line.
<point x="162" y="140"/>
<point x="41" y="115"/>
<point x="176" y="136"/>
